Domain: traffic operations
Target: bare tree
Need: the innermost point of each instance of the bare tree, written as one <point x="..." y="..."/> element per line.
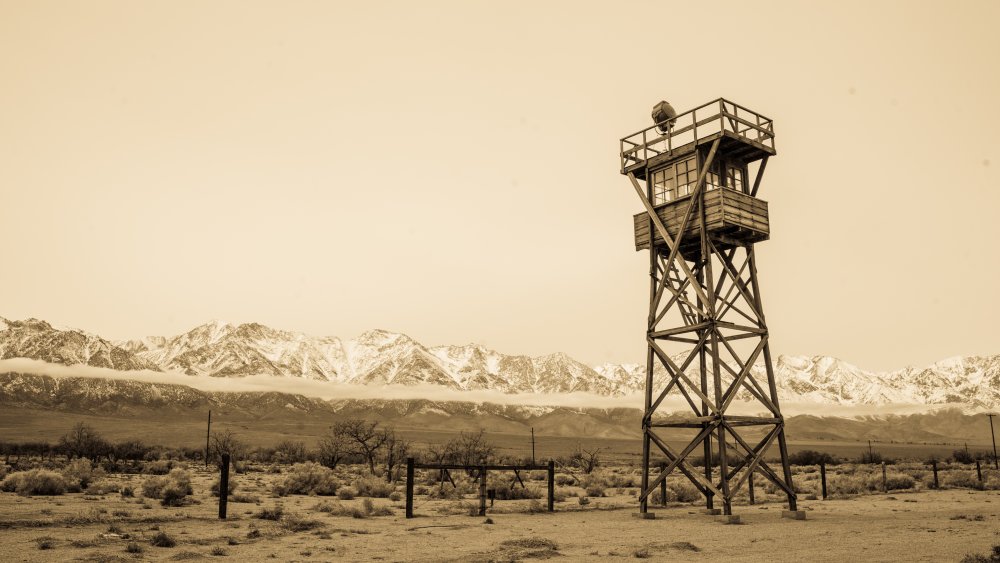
<point x="473" y="449"/>
<point x="226" y="442"/>
<point x="366" y="438"/>
<point x="396" y="449"/>
<point x="332" y="448"/>
<point x="289" y="451"/>
<point x="585" y="460"/>
<point x="83" y="441"/>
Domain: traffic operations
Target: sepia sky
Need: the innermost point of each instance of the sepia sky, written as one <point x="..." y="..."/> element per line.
<point x="450" y="170"/>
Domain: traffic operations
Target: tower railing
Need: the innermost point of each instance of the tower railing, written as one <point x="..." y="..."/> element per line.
<point x="693" y="127"/>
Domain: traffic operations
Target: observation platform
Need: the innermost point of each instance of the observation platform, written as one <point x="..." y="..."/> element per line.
<point x="745" y="135"/>
<point x="732" y="219"/>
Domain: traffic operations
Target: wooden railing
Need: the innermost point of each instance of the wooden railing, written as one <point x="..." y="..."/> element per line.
<point x="701" y="123"/>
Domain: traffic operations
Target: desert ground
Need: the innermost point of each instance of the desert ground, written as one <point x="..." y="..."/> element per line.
<point x="112" y="520"/>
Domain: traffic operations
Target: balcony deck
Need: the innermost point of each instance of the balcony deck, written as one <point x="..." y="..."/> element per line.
<point x="744" y="134"/>
<point x="732" y="218"/>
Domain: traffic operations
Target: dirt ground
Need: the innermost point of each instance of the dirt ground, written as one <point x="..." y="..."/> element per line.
<point x="918" y="526"/>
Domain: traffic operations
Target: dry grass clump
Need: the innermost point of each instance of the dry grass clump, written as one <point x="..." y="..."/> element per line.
<point x="962" y="480"/>
<point x="307" y="478"/>
<point x="271" y="513"/>
<point x="298" y="523"/>
<point x="34" y="482"/>
<point x="366" y="510"/>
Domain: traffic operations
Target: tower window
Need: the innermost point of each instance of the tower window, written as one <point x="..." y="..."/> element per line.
<point x="734" y="178"/>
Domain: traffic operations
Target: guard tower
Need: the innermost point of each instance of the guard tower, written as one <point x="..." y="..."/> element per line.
<point x="707" y="341"/>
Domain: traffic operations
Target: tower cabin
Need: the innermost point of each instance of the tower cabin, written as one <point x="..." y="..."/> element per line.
<point x="670" y="155"/>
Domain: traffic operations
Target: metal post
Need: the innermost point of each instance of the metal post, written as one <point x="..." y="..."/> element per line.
<point x="224" y="486"/>
<point x="822" y="477"/>
<point x="552" y="486"/>
<point x="409" y="487"/>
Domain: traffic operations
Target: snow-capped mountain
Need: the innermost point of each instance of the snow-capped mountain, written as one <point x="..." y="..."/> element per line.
<point x="32" y="338"/>
<point x="380" y="357"/>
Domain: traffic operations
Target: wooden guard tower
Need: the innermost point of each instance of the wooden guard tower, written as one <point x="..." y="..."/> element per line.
<point x="706" y="335"/>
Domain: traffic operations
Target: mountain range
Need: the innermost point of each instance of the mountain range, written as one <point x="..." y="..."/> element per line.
<point x="379" y="357"/>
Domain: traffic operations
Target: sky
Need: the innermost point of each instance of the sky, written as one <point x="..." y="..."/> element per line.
<point x="450" y="170"/>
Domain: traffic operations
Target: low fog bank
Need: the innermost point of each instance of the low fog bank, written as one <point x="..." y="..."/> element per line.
<point x="329" y="390"/>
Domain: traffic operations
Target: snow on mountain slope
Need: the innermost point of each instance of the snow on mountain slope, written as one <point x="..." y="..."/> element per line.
<point x="380" y="357"/>
<point x="38" y="340"/>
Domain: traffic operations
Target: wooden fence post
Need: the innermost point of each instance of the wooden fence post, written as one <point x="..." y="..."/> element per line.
<point x="409" y="487"/>
<point x="224" y="487"/>
<point x="979" y="472"/>
<point x="663" y="487"/>
<point x="822" y="478"/>
<point x="885" y="488"/>
<point x="482" y="490"/>
<point x="934" y="467"/>
<point x="750" y="491"/>
<point x="552" y="486"/>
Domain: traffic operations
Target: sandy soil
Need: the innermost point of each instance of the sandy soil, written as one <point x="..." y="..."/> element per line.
<point x="924" y="526"/>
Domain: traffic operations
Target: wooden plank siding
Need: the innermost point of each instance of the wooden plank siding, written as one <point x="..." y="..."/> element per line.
<point x="736" y="215"/>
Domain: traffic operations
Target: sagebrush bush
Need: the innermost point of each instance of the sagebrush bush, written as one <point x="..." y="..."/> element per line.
<point x="682" y="491"/>
<point x="172" y="489"/>
<point x="811" y="457"/>
<point x="161" y="539"/>
<point x="899" y="481"/>
<point x="595" y="490"/>
<point x="346" y="493"/>
<point x="80" y="473"/>
<point x="564" y="480"/>
<point x="962" y="479"/>
<point x="517" y="493"/>
<point x="309" y="478"/>
<point x="34" y="482"/>
<point x="373" y="487"/>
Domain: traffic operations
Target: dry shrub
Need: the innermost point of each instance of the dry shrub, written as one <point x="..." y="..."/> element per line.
<point x="308" y="478"/>
<point x="80" y="473"/>
<point x="346" y="493"/>
<point x="518" y="493"/>
<point x="564" y="480"/>
<point x="682" y="491"/>
<point x="161" y="539"/>
<point x="445" y="493"/>
<point x="34" y="482"/>
<point x="961" y="480"/>
<point x="846" y="485"/>
<point x="373" y="487"/>
<point x="172" y="489"/>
